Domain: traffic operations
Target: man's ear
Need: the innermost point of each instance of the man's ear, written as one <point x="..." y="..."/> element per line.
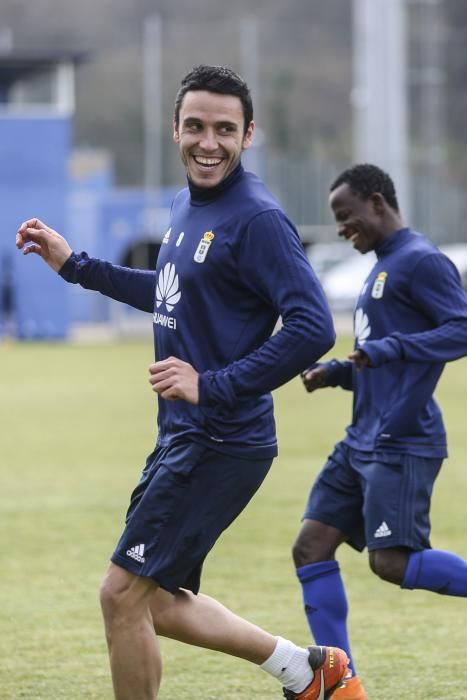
<point x="379" y="203"/>
<point x="176" y="132"/>
<point x="248" y="138"/>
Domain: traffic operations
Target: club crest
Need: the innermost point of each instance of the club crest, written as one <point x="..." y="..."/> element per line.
<point x="378" y="286"/>
<point x="203" y="247"/>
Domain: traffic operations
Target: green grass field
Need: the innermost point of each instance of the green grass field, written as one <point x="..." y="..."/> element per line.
<point x="77" y="423"/>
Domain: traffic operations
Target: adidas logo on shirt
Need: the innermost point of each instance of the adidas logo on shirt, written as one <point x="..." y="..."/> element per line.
<point x="383" y="530"/>
<point x="136" y="553"/>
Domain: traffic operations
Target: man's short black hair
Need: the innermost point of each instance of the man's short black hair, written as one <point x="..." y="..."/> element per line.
<point x="219" y="79"/>
<point x="365" y="180"/>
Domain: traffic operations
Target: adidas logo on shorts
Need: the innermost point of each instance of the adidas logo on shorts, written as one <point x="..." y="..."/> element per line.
<point x="383" y="531"/>
<point x="136" y="553"/>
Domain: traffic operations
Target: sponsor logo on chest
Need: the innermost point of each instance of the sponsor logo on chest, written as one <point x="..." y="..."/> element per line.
<point x="168" y="294"/>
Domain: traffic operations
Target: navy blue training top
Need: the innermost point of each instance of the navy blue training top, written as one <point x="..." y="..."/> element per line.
<point x="230" y="264"/>
<point x="410" y="318"/>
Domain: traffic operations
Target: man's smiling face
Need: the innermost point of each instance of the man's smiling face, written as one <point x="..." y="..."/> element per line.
<point x="211" y="135"/>
<point x="358" y="220"/>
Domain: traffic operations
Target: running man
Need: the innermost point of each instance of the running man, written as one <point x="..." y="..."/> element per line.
<point x="229" y="265"/>
<point x="375" y="489"/>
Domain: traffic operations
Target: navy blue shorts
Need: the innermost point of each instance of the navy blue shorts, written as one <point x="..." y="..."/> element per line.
<point x="187" y="495"/>
<point x="380" y="500"/>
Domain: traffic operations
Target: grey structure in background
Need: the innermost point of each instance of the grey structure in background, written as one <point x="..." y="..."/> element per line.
<point x="379" y="94"/>
<point x="152" y="109"/>
<point x="438" y="205"/>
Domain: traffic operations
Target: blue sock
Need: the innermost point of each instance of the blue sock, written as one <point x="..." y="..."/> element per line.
<point x="438" y="571"/>
<point x="326" y="604"/>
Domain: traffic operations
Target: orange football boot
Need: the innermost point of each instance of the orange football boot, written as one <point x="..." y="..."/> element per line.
<point x="329" y="665"/>
<point x="351" y="689"/>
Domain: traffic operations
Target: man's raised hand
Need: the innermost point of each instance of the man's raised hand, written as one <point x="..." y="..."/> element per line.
<point x="33" y="236"/>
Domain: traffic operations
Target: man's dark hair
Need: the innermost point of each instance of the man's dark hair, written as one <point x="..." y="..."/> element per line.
<point x="218" y="79"/>
<point x="366" y="180"/>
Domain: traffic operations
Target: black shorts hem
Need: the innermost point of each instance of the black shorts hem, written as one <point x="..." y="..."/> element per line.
<point x="354" y="541"/>
<point x="133" y="568"/>
<point x="413" y="546"/>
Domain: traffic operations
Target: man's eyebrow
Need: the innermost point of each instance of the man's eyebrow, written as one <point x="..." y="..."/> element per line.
<point x="223" y="123"/>
<point x="192" y="120"/>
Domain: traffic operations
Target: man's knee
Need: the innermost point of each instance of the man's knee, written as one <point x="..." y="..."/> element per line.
<point x="303" y="551"/>
<point x="124" y="596"/>
<point x="389" y="564"/>
<point x="111" y="597"/>
<point x="315" y="542"/>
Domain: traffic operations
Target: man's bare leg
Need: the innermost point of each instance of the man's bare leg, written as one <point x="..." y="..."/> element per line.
<point x="204" y="622"/>
<point x="135" y="608"/>
<point x="134" y="654"/>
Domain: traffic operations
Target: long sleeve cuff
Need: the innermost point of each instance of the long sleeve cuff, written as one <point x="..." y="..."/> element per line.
<point x="70" y="270"/>
<point x="381" y="351"/>
<point x="215" y="389"/>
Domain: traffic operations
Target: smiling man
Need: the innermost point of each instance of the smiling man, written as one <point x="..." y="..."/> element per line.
<point x="375" y="489"/>
<point x="212" y="131"/>
<point x="229" y="265"/>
